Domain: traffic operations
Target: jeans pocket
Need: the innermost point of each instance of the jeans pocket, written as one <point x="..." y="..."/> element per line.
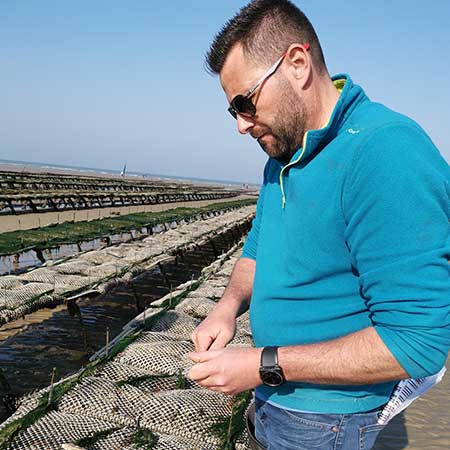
<point x="260" y="412"/>
<point x="368" y="435"/>
<point x="321" y="421"/>
<point x="304" y="431"/>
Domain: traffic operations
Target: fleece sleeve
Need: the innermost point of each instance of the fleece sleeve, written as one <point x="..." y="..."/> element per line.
<point x="396" y="205"/>
<point x="251" y="242"/>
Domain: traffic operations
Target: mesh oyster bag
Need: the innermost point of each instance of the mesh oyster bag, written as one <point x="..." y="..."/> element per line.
<point x="139" y="397"/>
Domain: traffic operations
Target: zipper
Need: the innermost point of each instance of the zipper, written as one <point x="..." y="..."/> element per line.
<point x="340" y="86"/>
<point x="283" y="197"/>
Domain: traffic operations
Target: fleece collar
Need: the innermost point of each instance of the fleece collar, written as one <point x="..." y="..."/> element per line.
<point x="315" y="140"/>
<point x="351" y="96"/>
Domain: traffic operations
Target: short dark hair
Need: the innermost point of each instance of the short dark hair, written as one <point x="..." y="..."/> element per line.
<point x="265" y="28"/>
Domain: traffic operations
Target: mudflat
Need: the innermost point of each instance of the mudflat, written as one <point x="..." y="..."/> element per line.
<point x="155" y="184"/>
<point x="425" y="425"/>
<point x="32" y="221"/>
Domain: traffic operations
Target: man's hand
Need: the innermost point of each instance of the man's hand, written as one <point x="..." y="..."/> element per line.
<point x="215" y="331"/>
<point x="230" y="370"/>
<point x="219" y="327"/>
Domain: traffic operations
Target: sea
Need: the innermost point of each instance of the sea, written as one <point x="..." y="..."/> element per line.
<point x="27" y="165"/>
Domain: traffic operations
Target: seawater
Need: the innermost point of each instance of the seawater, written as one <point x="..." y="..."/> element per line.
<point x="24" y="164"/>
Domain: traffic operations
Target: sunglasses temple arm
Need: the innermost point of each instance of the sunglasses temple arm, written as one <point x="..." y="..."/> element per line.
<point x="266" y="75"/>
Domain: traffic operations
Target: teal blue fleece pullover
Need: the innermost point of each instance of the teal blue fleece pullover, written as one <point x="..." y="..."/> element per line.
<point x="353" y="233"/>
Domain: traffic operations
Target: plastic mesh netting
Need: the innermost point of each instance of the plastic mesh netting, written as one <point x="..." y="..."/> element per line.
<point x="23" y="294"/>
<point x="139" y="398"/>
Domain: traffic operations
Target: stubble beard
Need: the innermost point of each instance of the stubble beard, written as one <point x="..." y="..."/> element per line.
<point x="288" y="127"/>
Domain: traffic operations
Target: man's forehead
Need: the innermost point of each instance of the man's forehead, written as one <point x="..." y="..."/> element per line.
<point x="237" y="74"/>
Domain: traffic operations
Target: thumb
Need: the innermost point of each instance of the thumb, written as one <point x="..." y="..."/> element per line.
<point x="199" y="357"/>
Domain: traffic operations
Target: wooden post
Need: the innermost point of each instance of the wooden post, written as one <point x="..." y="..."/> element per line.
<point x="107" y="341"/>
<point x="50" y="394"/>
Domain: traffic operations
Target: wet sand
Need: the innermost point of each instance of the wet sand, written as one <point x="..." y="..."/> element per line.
<point x="39" y="220"/>
<point x="31" y="221"/>
<point x="425" y="425"/>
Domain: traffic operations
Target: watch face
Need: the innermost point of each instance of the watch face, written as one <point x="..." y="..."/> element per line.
<point x="271" y="378"/>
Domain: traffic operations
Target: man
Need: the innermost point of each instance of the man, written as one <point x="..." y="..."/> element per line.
<point x="346" y="262"/>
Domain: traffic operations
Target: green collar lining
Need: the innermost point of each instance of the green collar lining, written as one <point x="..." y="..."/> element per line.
<point x="339" y="84"/>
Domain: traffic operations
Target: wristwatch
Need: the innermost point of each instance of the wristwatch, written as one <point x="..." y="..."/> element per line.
<point x="270" y="372"/>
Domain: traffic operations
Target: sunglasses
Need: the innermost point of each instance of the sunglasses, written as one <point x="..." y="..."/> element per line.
<point x="242" y="104"/>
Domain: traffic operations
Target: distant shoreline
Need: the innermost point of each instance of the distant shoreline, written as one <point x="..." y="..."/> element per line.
<point x="34" y="167"/>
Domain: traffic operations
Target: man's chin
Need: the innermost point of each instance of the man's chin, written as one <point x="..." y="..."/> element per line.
<point x="270" y="149"/>
<point x="267" y="143"/>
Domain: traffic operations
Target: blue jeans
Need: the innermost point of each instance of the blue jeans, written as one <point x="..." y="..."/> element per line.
<point x="280" y="429"/>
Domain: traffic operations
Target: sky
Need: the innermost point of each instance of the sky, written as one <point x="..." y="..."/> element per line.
<point x="93" y="83"/>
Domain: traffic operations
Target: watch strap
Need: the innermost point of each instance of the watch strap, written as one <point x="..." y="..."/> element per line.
<point x="269" y="357"/>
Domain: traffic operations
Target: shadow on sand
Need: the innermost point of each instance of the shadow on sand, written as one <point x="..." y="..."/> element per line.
<point x="394" y="436"/>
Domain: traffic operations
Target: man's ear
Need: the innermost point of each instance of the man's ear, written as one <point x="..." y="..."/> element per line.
<point x="299" y="61"/>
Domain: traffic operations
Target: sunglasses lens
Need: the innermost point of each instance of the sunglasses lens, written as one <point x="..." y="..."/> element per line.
<point x="242" y="105"/>
<point x="232" y="111"/>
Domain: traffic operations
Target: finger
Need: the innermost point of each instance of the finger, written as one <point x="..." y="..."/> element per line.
<point x="211" y="383"/>
<point x="220" y="342"/>
<point x="214" y="387"/>
<point x="199" y="372"/>
<point x="194" y="337"/>
<point x="193" y="356"/>
<point x="200" y="357"/>
<point x="203" y="342"/>
<point x="199" y="378"/>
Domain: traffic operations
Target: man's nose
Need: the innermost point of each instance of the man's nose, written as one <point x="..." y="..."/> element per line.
<point x="244" y="124"/>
